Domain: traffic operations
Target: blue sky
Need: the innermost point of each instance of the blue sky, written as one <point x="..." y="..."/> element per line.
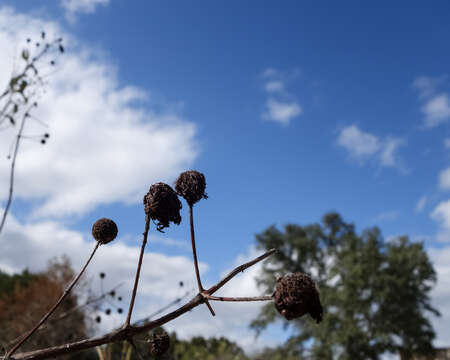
<point x="291" y="109"/>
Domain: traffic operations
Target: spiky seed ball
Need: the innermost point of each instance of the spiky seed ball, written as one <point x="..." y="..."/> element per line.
<point x="297" y="294"/>
<point x="162" y="205"/>
<point x="104" y="230"/>
<point x="191" y="186"/>
<point x="159" y="344"/>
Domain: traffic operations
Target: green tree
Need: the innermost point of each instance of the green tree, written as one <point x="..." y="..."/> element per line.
<point x="375" y="293"/>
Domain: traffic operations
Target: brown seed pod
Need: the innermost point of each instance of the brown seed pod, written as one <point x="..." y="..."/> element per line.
<point x="191" y="186"/>
<point x="159" y="344"/>
<point x="162" y="205"/>
<point x="104" y="230"/>
<point x="297" y="294"/>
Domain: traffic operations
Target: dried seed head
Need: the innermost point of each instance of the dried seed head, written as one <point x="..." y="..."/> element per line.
<point x="162" y="205"/>
<point x="159" y="344"/>
<point x="297" y="294"/>
<point x="104" y="230"/>
<point x="191" y="186"/>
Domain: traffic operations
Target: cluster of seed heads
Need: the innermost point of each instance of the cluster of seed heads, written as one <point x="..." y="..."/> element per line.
<point x="295" y="295"/>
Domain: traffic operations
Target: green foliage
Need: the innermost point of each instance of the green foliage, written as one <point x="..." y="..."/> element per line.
<point x="9" y="282"/>
<point x="375" y="293"/>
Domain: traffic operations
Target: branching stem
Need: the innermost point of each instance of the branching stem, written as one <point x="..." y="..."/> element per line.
<point x="194" y="253"/>
<point x="127" y="333"/>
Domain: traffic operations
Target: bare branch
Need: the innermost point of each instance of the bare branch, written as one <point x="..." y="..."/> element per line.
<point x="127" y="333"/>
<point x="54" y="307"/>
<point x="251" y="298"/>
<point x="237" y="270"/>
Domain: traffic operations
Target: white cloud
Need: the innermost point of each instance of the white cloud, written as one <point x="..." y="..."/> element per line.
<point x="360" y="144"/>
<point x="437" y="110"/>
<point x="390" y="146"/>
<point x="441" y="214"/>
<point x="281" y="106"/>
<point x="106" y="146"/>
<point x="444" y="179"/>
<point x="364" y="145"/>
<point x="281" y="112"/>
<point x="436" y="105"/>
<point x="421" y="203"/>
<point x="73" y="7"/>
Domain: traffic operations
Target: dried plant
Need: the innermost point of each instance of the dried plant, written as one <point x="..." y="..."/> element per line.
<point x="162" y="205"/>
<point x="20" y="99"/>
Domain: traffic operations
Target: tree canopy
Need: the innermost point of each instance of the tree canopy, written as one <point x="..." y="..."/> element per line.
<point x="375" y="293"/>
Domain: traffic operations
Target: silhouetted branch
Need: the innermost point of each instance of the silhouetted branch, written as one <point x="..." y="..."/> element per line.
<point x="127" y="333"/>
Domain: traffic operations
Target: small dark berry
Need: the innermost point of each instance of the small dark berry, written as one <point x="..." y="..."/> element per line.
<point x="119" y="298"/>
<point x="104" y="230"/>
<point x="162" y="205"/>
<point x="112" y="293"/>
<point x="119" y="310"/>
<point x="108" y="311"/>
<point x="46" y="135"/>
<point x="98" y="319"/>
<point x="43" y="141"/>
<point x="297" y="294"/>
<point x="191" y="186"/>
<point x="181" y="284"/>
<point x="159" y="344"/>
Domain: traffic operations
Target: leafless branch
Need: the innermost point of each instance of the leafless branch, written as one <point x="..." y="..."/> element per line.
<point x="127" y="333"/>
<point x="54" y="307"/>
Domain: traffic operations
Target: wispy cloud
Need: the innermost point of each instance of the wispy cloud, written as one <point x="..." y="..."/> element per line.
<point x="74" y="7"/>
<point x="421" y="203"/>
<point x="362" y="146"/>
<point x="435" y="103"/>
<point x="386" y="216"/>
<point x="281" y="106"/>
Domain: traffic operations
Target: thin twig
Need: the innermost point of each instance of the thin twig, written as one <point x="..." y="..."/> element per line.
<point x="237" y="270"/>
<point x="55" y="306"/>
<point x="251" y="298"/>
<point x="12" y="171"/>
<point x="194" y="253"/>
<point x="138" y="271"/>
<point x="127" y="333"/>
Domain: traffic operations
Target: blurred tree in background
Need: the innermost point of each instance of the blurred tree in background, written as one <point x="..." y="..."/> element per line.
<point x="25" y="297"/>
<point x="375" y="293"/>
